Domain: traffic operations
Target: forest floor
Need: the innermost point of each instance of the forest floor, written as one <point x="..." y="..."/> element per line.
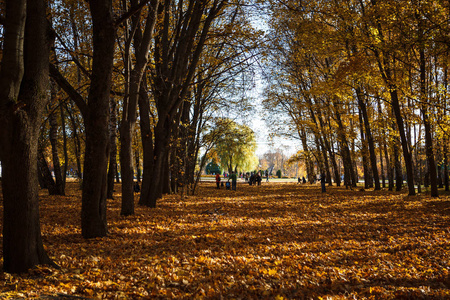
<point x="275" y="241"/>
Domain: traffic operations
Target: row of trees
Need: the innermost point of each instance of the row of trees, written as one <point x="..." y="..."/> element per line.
<point x="106" y="76"/>
<point x="364" y="83"/>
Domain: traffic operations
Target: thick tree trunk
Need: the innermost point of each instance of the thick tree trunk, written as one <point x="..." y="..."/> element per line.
<point x="20" y="120"/>
<point x="157" y="164"/>
<point x="126" y="167"/>
<point x="22" y="243"/>
<point x="93" y="208"/>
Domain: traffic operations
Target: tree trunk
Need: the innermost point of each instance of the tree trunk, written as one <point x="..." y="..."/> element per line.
<point x="20" y="121"/>
<point x="46" y="174"/>
<point x="349" y="172"/>
<point x="126" y="167"/>
<point x="308" y="159"/>
<point x="398" y="168"/>
<point x="406" y="153"/>
<point x="137" y="165"/>
<point x="93" y="207"/>
<point x="383" y="176"/>
<point x="426" y="122"/>
<point x="147" y="144"/>
<point x="390" y="170"/>
<point x="141" y="47"/>
<point x="112" y="149"/>
<point x="370" y="141"/>
<point x="76" y="143"/>
<point x="56" y="162"/>
<point x="366" y="169"/>
<point x="66" y="155"/>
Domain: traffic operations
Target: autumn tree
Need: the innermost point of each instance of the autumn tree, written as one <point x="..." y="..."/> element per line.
<point x="136" y="54"/>
<point x="95" y="111"/>
<point x="223" y="75"/>
<point x="355" y="52"/>
<point x="235" y="146"/>
<point x="179" y="41"/>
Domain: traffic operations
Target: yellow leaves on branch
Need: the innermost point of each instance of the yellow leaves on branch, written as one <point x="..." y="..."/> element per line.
<point x="275" y="241"/>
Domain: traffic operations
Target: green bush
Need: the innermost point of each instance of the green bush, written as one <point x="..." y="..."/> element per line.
<point x="279" y="173"/>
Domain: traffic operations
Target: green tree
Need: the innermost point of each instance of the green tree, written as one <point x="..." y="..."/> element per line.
<point x="235" y="146"/>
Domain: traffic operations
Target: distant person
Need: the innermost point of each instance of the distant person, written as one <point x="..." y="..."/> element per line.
<point x="251" y="179"/>
<point x="233" y="178"/>
<point x="298" y="180"/>
<point x="258" y="178"/>
<point x="137" y="188"/>
<point x="218" y="181"/>
<point x="303" y="179"/>
<point x="322" y="182"/>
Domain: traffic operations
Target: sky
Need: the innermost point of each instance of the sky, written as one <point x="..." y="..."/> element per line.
<point x="262" y="131"/>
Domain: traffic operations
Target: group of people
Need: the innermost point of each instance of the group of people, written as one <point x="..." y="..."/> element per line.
<point x="252" y="179"/>
<point x="232" y="177"/>
<point x="322" y="180"/>
<point x="255" y="179"/>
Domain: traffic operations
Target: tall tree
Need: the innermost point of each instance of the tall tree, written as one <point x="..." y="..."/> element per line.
<point x="23" y="96"/>
<point x="179" y="42"/>
<point x="134" y="74"/>
<point x="95" y="113"/>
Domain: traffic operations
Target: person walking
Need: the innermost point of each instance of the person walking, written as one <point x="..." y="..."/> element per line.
<point x="322" y="182"/>
<point x="233" y="178"/>
<point x="218" y="181"/>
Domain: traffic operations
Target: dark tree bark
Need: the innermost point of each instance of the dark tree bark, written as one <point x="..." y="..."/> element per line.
<point x="93" y="202"/>
<point x="368" y="180"/>
<point x="349" y="172"/>
<point x="53" y="134"/>
<point x="425" y="115"/>
<point x="142" y="41"/>
<point x="383" y="177"/>
<point x="23" y="96"/>
<point x="370" y="141"/>
<point x="389" y="167"/>
<point x="76" y="142"/>
<point x="385" y="63"/>
<point x="95" y="113"/>
<point x="147" y="142"/>
<point x="404" y="142"/>
<point x="66" y="155"/>
<point x="175" y="68"/>
<point x="46" y="175"/>
<point x="113" y="149"/>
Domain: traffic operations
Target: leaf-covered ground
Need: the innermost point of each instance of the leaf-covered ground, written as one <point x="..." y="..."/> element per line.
<point x="275" y="241"/>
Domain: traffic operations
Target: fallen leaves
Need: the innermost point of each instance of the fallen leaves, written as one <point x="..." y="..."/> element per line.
<point x="276" y="241"/>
